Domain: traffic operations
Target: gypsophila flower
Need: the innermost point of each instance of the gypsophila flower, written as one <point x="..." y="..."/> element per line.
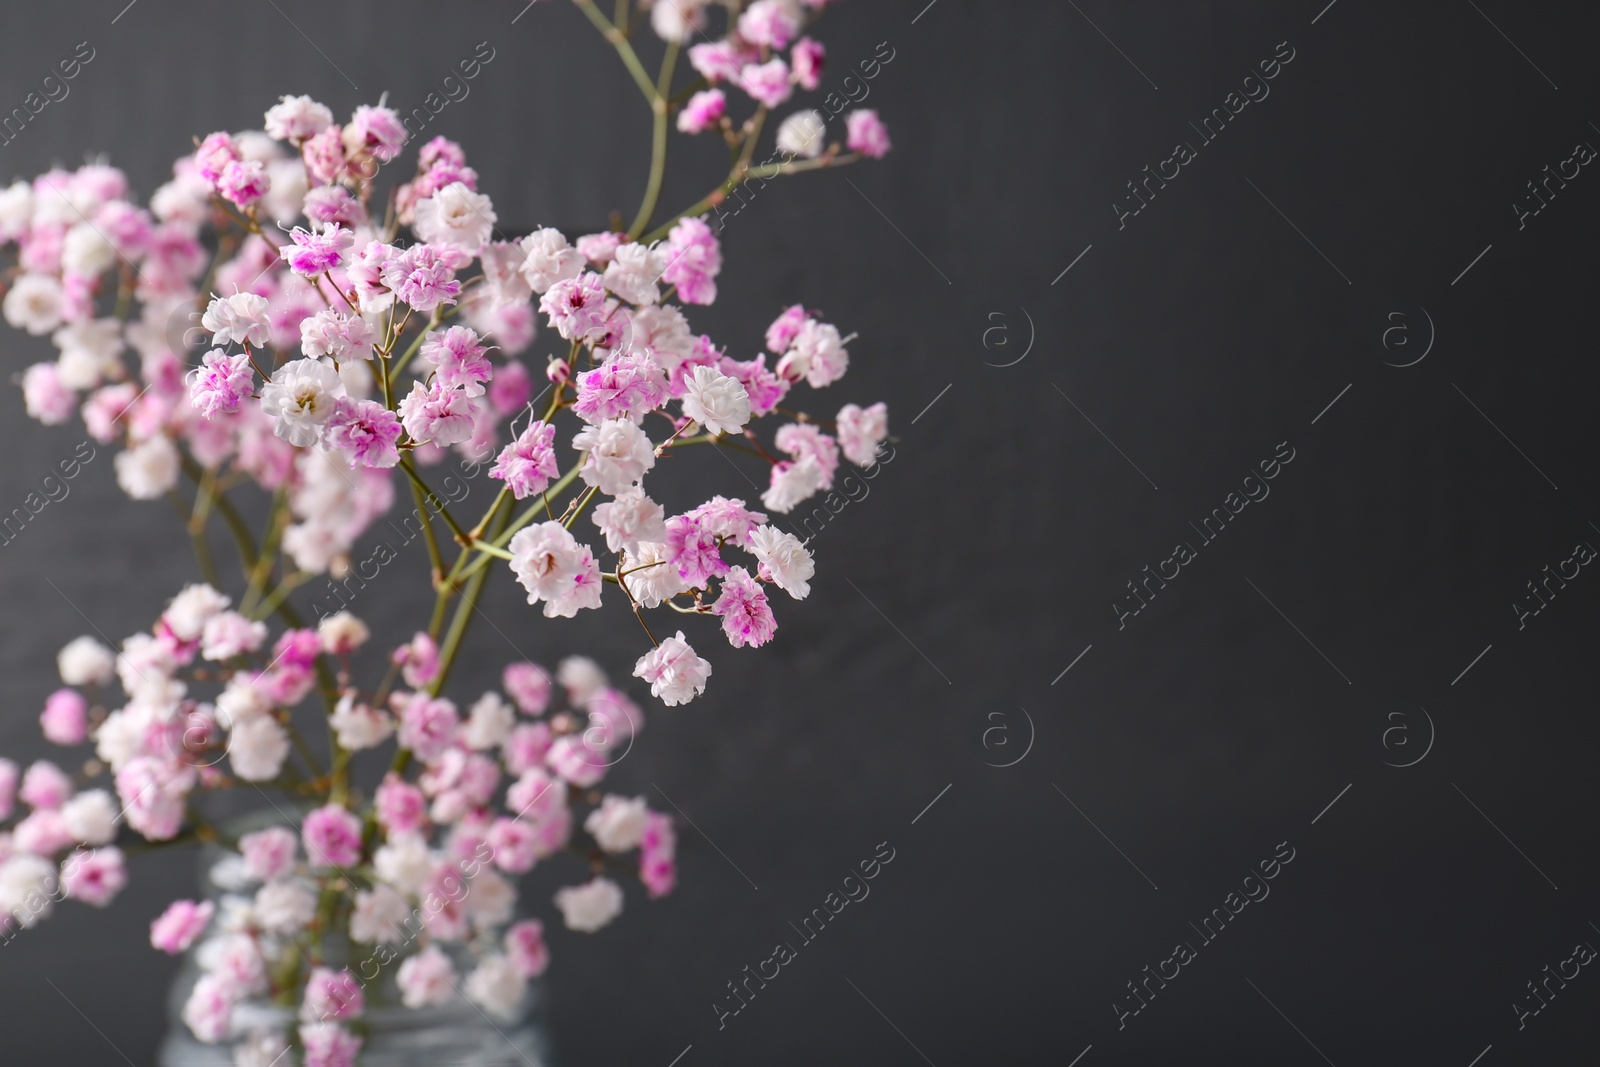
<point x="630" y="518"/>
<point x="461" y="362"/>
<point x="528" y="464"/>
<point x="554" y="568"/>
<point x="148" y="470"/>
<point x="85" y="661"/>
<point x="767" y="83"/>
<point x="693" y="261"/>
<point x="421" y="277"/>
<point x="426" y="978"/>
<point x="180" y="925"/>
<point x="221" y="383"/>
<point x="803" y="134"/>
<point x="436" y="413"/>
<point x="591" y="906"/>
<point x="861" y="431"/>
<point x="237" y="319"/>
<point x="703" y="111"/>
<point x="807" y="58"/>
<point x="619" y="454"/>
<point x="866" y="133"/>
<point x="716" y="401"/>
<point x="746" y="618"/>
<point x="365" y="431"/>
<point x="625" y="386"/>
<point x="296" y="118"/>
<point x="301" y="397"/>
<point x="784" y="560"/>
<point x="675" y="674"/>
<point x="456" y="216"/>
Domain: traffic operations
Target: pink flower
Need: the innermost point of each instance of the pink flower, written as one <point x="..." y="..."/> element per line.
<point x="528" y="464"/>
<point x="45" y="786"/>
<point x="180" y="925"/>
<point x="675" y="674"/>
<point x="324" y="155"/>
<point x="94" y="877"/>
<point x="332" y="837"/>
<point x="418" y="660"/>
<point x="422" y="278"/>
<point x="311" y="253"/>
<point x="694" y="259"/>
<point x="807" y="58"/>
<point x="784" y="329"/>
<point x="765" y="389"/>
<point x="438" y="414"/>
<point x="728" y="519"/>
<point x="577" y="307"/>
<point x="771" y="23"/>
<point x="65" y="719"/>
<point x="861" y="430"/>
<point x="515" y="845"/>
<point x="554" y="568"/>
<point x="366" y="276"/>
<point x="526" y="747"/>
<point x="659" y="875"/>
<point x="600" y="248"/>
<point x="269" y="854"/>
<point x="296" y="118"/>
<point x="717" y="62"/>
<point x="767" y="83"/>
<point x="400" y="806"/>
<point x="426" y="978"/>
<point x="209" y="1009"/>
<point x="791" y="483"/>
<point x="511" y="389"/>
<point x="376" y="130"/>
<point x="427" y="726"/>
<point x="220" y="383"/>
<point x="459" y="358"/>
<point x="214" y="155"/>
<point x="576" y="762"/>
<point x="802" y="440"/>
<point x="244" y="182"/>
<point x="746" y="619"/>
<point x="45" y="397"/>
<point x="866" y="133"/>
<point x="525" y="948"/>
<point x="625" y="386"/>
<point x="332" y="994"/>
<point x="693" y="549"/>
<point x="364" y="430"/>
<point x="8" y="787"/>
<point x="703" y="111"/>
<point x="329" y="1045"/>
<point x="334" y="203"/>
<point x="528" y="685"/>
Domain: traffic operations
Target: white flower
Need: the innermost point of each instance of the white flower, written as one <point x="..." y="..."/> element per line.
<point x="662" y="333"/>
<point x="404" y="862"/>
<point x="654" y="579"/>
<point x="236" y="960"/>
<point x="378" y="916"/>
<point x="34" y="304"/>
<point x="240" y="700"/>
<point x="588" y="907"/>
<point x="861" y="430"/>
<point x="148" y="470"/>
<point x="426" y="978"/>
<point x="261" y="1048"/>
<point x="582" y="678"/>
<point x="358" y="726"/>
<point x="716" y="401"/>
<point x="802" y="134"/>
<point x="295" y="118"/>
<point x="91" y="817"/>
<point x="619" y="455"/>
<point x="630" y="518"/>
<point x="676" y="675"/>
<point x="342" y="633"/>
<point x="85" y="661"/>
<point x="191" y="609"/>
<point x="16" y="210"/>
<point x="792" y="483"/>
<point x="209" y="1010"/>
<point x="300" y="398"/>
<point x="786" y="559"/>
<point x="86" y="252"/>
<point x="489" y="722"/>
<point x="550" y="259"/>
<point x="27" y="888"/>
<point x="228" y="634"/>
<point x="618" y="823"/>
<point x="284" y="908"/>
<point x="821" y="349"/>
<point x="496" y="985"/>
<point x="241" y="317"/>
<point x="491" y="901"/>
<point x="677" y="20"/>
<point x="456" y="216"/>
<point x="257" y="748"/>
<point x="633" y="273"/>
<point x="89" y="352"/>
<point x="553" y="567"/>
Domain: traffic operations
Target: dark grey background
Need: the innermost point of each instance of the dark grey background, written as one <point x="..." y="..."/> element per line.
<point x="1196" y="339"/>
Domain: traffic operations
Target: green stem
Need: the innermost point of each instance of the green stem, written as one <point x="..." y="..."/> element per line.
<point x="438" y="505"/>
<point x="658" y="142"/>
<point x="619" y="41"/>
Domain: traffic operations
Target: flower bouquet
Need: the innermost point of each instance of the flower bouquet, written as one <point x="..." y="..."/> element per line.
<point x="305" y="315"/>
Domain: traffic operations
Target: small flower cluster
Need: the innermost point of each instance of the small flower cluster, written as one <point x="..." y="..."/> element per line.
<point x="266" y="321"/>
